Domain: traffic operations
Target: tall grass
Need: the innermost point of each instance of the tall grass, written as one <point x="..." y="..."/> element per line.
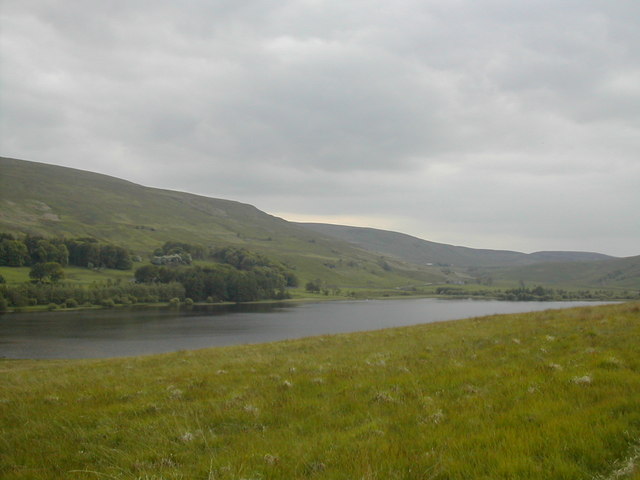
<point x="545" y="395"/>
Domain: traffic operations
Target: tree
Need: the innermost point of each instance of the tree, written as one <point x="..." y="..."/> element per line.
<point x="13" y="253"/>
<point x="313" y="286"/>
<point x="50" y="271"/>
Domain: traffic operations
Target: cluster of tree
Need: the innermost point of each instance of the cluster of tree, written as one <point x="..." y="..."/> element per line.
<point x="219" y="282"/>
<point x="29" y="250"/>
<point x="106" y="294"/>
<point x="319" y="286"/>
<point x="238" y="276"/>
<point x="83" y="252"/>
<point x="246" y="260"/>
<point x="88" y="252"/>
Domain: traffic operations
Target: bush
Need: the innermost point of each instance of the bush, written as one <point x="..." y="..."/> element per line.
<point x="188" y="302"/>
<point x="174" y="302"/>
<point x="4" y="305"/>
<point x="108" y="303"/>
<point x="52" y="306"/>
<point x="71" y="303"/>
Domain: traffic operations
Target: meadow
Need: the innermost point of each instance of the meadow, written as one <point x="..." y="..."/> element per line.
<point x="553" y="394"/>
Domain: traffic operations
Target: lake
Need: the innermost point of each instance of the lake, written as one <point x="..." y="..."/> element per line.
<point x="140" y="331"/>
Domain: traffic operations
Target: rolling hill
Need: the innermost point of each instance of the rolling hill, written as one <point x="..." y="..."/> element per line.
<point x="612" y="273"/>
<point x="416" y="250"/>
<point x="502" y="267"/>
<point x="49" y="200"/>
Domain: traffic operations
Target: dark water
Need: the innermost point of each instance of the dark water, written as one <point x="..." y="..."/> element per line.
<point x="115" y="333"/>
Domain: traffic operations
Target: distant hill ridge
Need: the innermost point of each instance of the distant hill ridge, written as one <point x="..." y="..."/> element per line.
<point x="50" y="200"/>
<point x="415" y="250"/>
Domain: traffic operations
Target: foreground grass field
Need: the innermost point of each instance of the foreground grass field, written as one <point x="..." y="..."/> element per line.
<point x="546" y="395"/>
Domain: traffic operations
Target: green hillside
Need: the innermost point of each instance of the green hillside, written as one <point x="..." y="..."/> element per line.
<point x="50" y="200"/>
<point x="496" y="267"/>
<point x="617" y="273"/>
<point x="416" y="250"/>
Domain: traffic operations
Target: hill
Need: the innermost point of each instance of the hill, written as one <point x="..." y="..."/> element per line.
<point x="53" y="201"/>
<point x="497" y="267"/>
<point x="416" y="250"/>
<point x="616" y="272"/>
<point x="49" y="200"/>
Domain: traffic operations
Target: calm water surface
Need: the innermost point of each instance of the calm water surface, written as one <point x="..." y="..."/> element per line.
<point x="116" y="333"/>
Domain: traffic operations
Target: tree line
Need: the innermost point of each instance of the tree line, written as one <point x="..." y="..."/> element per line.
<point x="106" y="294"/>
<point x="87" y="252"/>
<point x="238" y="275"/>
<point x="537" y="293"/>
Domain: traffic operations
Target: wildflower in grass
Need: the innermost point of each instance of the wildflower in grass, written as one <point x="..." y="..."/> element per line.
<point x="271" y="459"/>
<point x="550" y="338"/>
<point x="187" y="437"/>
<point x="516" y="341"/>
<point x="554" y="366"/>
<point x="251" y="409"/>
<point x="383" y="397"/>
<point x="437" y="417"/>
<point x="287" y="384"/>
<point x="222" y="372"/>
<point x="174" y="392"/>
<point x="584" y="380"/>
<point x="318" y="380"/>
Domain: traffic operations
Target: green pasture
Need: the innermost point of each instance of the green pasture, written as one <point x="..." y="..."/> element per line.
<point x="545" y="395"/>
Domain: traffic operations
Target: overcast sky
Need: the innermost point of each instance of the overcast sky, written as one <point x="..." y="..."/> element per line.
<point x="489" y="124"/>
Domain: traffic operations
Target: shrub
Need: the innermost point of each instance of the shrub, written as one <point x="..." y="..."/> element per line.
<point x="188" y="302"/>
<point x="108" y="303"/>
<point x="174" y="302"/>
<point x="71" y="303"/>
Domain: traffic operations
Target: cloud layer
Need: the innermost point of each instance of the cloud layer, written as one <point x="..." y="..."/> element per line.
<point x="491" y="124"/>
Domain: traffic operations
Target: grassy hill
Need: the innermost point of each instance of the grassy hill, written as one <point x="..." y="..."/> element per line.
<point x="616" y="272"/>
<point x="50" y="200"/>
<point x="504" y="268"/>
<point x="552" y="394"/>
<point x="416" y="250"/>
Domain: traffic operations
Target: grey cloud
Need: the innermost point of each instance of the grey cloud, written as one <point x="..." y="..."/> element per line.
<point x="458" y="115"/>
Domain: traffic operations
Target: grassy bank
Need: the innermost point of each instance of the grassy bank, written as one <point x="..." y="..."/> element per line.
<point x="543" y="395"/>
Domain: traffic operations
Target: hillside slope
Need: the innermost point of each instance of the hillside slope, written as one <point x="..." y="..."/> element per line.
<point x="50" y="200"/>
<point x="616" y="272"/>
<point x="416" y="250"/>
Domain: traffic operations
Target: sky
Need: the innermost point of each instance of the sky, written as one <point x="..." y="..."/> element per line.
<point x="485" y="123"/>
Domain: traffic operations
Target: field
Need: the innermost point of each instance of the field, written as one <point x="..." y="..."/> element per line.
<point x="74" y="275"/>
<point x="543" y="395"/>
